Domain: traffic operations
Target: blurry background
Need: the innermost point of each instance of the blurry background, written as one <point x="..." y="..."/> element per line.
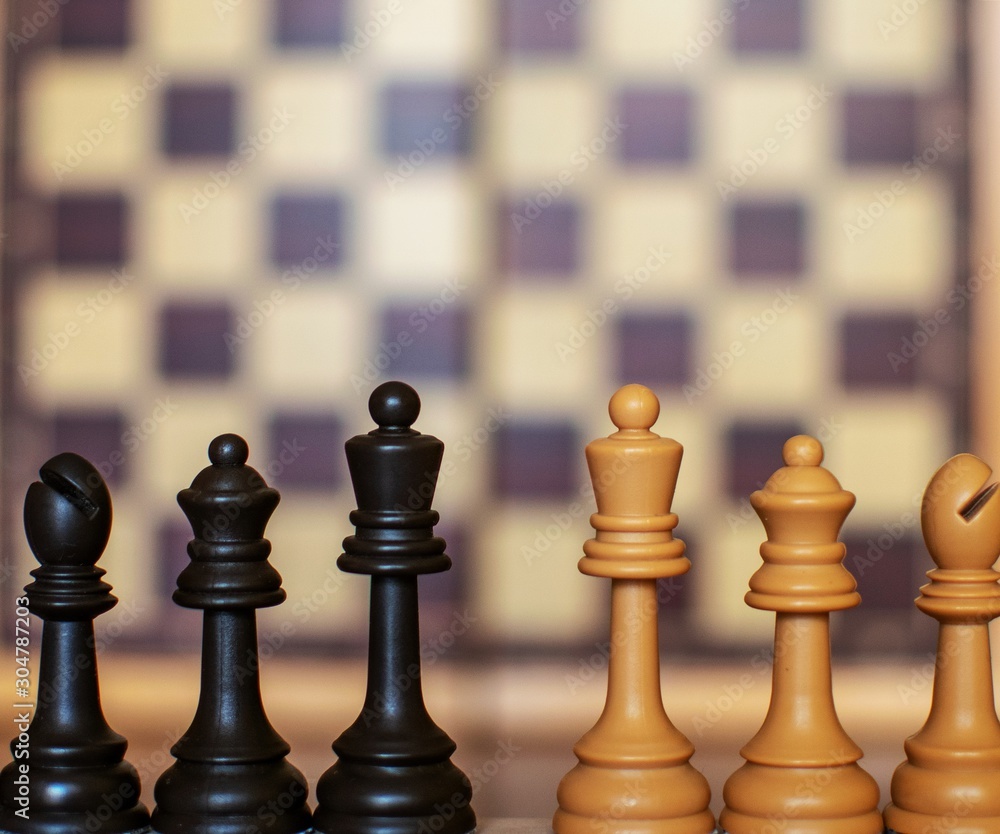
<point x="242" y="215"/>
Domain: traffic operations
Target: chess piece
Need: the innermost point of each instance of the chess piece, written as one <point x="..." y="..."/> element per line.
<point x="69" y="774"/>
<point x="950" y="780"/>
<point x="801" y="772"/>
<point x="230" y="776"/>
<point x="394" y="773"/>
<point x="633" y="773"/>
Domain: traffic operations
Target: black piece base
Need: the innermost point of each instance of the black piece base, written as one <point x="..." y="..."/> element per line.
<point x="215" y="798"/>
<point x="374" y="799"/>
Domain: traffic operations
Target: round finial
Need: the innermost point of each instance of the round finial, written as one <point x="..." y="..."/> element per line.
<point x="634" y="407"/>
<point x="67" y="516"/>
<point x="394" y="405"/>
<point x="802" y="450"/>
<point x="228" y="450"/>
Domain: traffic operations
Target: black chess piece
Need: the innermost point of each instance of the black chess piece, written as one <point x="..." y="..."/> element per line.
<point x="394" y="773"/>
<point x="69" y="774"/>
<point x="231" y="776"/>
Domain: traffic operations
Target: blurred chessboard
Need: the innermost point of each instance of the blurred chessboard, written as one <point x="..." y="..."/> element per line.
<point x="221" y="220"/>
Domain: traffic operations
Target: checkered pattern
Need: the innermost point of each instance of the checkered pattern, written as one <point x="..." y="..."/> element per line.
<point x="242" y="216"/>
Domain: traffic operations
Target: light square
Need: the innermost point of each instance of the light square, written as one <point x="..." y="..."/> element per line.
<point x="778" y="119"/>
<point x="423" y="233"/>
<point x="647" y="36"/>
<point x="323" y="106"/>
<point x="528" y="556"/>
<point x="194" y="36"/>
<point x="82" y="340"/>
<point x="769" y="350"/>
<point x="882" y="246"/>
<point x="886" y="451"/>
<point x="310" y="348"/>
<point x="422" y="35"/>
<point x="194" y="232"/>
<point x="539" y="122"/>
<point x="323" y="602"/>
<point x="723" y="581"/>
<point x="552" y="350"/>
<point x="908" y="43"/>
<point x="654" y="238"/>
<point x="81" y="126"/>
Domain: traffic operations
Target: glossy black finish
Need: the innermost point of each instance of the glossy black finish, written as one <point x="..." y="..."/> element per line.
<point x="77" y="779"/>
<point x="230" y="776"/>
<point x="394" y="773"/>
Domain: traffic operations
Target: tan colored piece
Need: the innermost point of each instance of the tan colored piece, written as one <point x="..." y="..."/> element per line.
<point x="950" y="780"/>
<point x="801" y="774"/>
<point x="634" y="776"/>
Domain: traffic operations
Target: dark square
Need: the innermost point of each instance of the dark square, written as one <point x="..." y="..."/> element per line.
<point x="881" y="350"/>
<point x="90" y="230"/>
<point x="538" y="235"/>
<point x="422" y="121"/>
<point x="310" y="22"/>
<point x="97" y="436"/>
<point x="197" y="340"/>
<point x="767" y="238"/>
<point x="432" y="339"/>
<point x="884" y="562"/>
<point x="306" y="451"/>
<point x="307" y="231"/>
<point x="95" y="24"/>
<point x="753" y="454"/>
<point x="534" y="26"/>
<point x="654" y="348"/>
<point x="658" y="125"/>
<point x="879" y="127"/>
<point x="768" y="26"/>
<point x="537" y="460"/>
<point x="199" y="120"/>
